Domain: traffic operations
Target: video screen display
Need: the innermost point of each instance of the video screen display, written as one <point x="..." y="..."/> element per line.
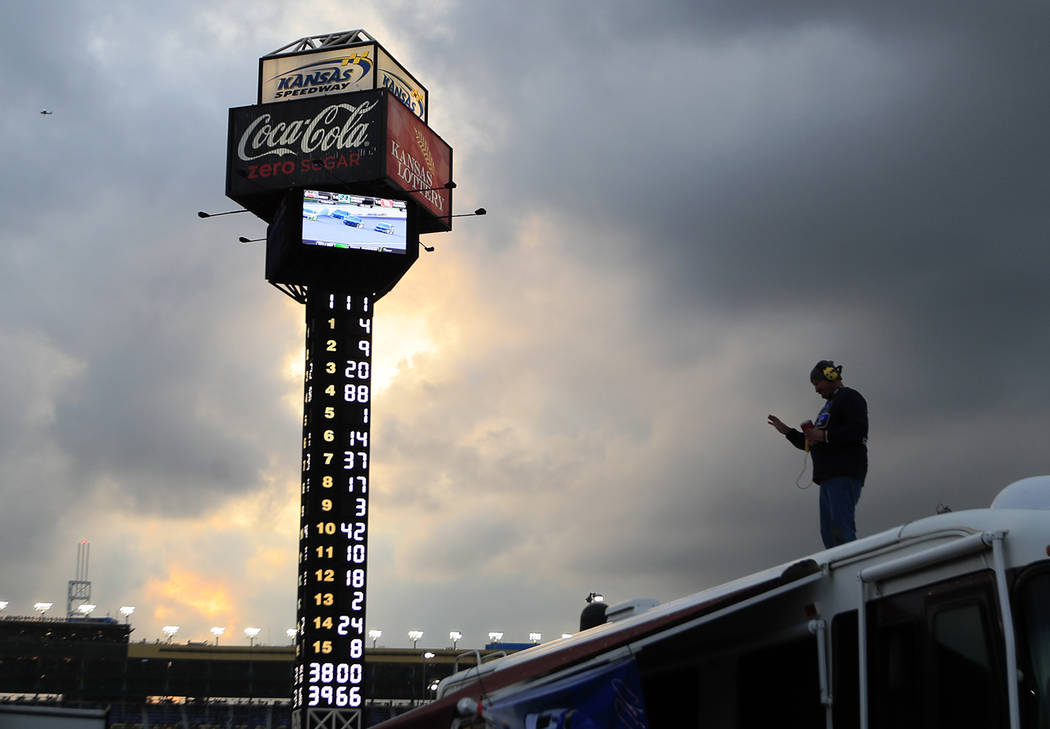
<point x="354" y="221"/>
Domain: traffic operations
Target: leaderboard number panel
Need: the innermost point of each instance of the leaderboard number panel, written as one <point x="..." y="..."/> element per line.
<point x="333" y="529"/>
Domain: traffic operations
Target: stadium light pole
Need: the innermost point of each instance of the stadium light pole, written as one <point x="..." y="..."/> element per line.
<point x="423" y="689"/>
<point x="415" y="636"/>
<point x="291" y="634"/>
<point x="170" y="631"/>
<point x="217" y="630"/>
<point x="251" y="633"/>
<point x="375" y="635"/>
<point x="454" y="636"/>
<point x="535" y="638"/>
<point x="495" y="637"/>
<point x="3" y="604"/>
<point x="43" y="607"/>
<point x="126" y="611"/>
<point x="86" y="609"/>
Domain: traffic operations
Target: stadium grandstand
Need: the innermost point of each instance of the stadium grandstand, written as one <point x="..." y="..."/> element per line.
<point x="92" y="664"/>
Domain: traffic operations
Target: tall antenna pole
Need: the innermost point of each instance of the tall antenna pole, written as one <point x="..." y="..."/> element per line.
<point x="79" y="592"/>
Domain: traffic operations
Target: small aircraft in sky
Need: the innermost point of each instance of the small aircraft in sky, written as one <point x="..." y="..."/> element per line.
<point x="45" y="112"/>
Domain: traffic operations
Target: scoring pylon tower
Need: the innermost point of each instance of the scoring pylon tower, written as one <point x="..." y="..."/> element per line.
<point x="338" y="159"/>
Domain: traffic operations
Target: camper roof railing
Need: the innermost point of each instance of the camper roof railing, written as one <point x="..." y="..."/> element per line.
<point x="478" y="658"/>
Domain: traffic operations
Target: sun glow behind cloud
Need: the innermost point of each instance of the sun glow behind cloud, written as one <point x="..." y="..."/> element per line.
<point x="182" y="593"/>
<point x="405" y="336"/>
<point x="227" y="568"/>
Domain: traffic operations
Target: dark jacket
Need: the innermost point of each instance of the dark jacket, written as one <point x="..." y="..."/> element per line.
<point x="844" y="418"/>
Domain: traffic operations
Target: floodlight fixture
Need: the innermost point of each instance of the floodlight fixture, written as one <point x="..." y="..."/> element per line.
<point x="566" y="635"/>
<point x="217" y="630"/>
<point x="415" y="636"/>
<point x="252" y="633"/>
<point x="170" y="631"/>
<point x="535" y="638"/>
<point x="375" y="635"/>
<point x="291" y="634"/>
<point x="454" y="636"/>
<point x="86" y="609"/>
<point x="127" y="610"/>
<point x="43" y="607"/>
<point x="3" y="604"/>
<point x="202" y="214"/>
<point x="479" y="211"/>
<point x="495" y="637"/>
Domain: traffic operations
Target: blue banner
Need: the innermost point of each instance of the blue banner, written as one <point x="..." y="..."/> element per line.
<point x="606" y="697"/>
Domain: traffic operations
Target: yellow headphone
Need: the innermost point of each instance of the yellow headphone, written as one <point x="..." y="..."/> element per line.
<point x="827" y="370"/>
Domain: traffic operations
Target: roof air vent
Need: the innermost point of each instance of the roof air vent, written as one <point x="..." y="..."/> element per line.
<point x="1028" y="493"/>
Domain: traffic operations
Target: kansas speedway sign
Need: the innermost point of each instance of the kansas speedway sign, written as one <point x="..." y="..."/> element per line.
<point x="357" y="67"/>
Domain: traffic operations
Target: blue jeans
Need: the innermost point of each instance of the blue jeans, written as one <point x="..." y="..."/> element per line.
<point x="838" y="500"/>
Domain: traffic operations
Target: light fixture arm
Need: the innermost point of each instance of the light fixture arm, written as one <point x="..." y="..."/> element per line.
<point x="450" y="185"/>
<point x="202" y="214"/>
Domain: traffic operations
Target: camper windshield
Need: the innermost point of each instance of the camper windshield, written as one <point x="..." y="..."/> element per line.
<point x="1034" y="612"/>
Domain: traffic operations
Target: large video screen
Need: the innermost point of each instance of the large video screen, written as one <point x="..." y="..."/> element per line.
<point x="354" y="221"/>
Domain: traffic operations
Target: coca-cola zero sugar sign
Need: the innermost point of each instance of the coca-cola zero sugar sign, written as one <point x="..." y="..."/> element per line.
<point x="326" y="141"/>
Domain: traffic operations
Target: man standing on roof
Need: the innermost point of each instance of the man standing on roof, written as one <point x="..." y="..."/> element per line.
<point x="838" y="442"/>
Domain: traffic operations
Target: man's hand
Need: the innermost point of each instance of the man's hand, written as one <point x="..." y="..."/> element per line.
<point x="816" y="435"/>
<point x="779" y="425"/>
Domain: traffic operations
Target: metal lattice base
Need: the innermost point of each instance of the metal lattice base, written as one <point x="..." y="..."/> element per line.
<point x="295" y="291"/>
<point x="326" y="719"/>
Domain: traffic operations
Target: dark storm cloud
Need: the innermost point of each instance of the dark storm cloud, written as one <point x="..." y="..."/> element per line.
<point x="820" y="158"/>
<point x="108" y="256"/>
<point x="903" y="139"/>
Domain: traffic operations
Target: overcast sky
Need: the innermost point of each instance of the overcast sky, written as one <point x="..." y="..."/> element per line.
<point x="690" y="203"/>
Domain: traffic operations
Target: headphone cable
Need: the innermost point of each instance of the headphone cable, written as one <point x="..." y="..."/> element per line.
<point x="805" y="462"/>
